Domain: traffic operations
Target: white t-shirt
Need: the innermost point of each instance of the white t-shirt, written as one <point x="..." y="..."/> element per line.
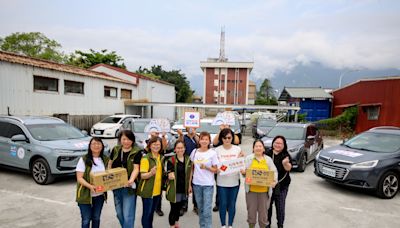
<point x="229" y="180"/>
<point x="99" y="167"/>
<point x="203" y="176"/>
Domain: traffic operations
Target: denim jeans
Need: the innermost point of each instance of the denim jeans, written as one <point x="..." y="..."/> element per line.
<point x="125" y="206"/>
<point x="92" y="212"/>
<point x="149" y="206"/>
<point x="227" y="202"/>
<point x="204" y="195"/>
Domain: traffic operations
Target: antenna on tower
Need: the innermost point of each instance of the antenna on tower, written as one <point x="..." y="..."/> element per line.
<point x="222" y="46"/>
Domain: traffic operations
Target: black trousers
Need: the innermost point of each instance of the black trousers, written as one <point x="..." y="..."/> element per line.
<point x="280" y="202"/>
<point x="174" y="213"/>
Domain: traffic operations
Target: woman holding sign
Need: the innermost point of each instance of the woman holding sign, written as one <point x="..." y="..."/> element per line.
<point x="283" y="162"/>
<point x="258" y="196"/>
<point x="126" y="156"/>
<point x="227" y="185"/>
<point x="90" y="203"/>
<point x="205" y="165"/>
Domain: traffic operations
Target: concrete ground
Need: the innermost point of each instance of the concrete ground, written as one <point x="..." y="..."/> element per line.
<point x="312" y="202"/>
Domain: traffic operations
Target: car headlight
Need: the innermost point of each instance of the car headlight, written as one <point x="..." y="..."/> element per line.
<point x="365" y="165"/>
<point x="292" y="150"/>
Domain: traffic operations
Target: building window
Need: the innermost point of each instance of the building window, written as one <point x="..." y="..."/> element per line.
<point x="126" y="94"/>
<point x="45" y="84"/>
<point x="216" y="82"/>
<point x="73" y="87"/>
<point x="373" y="112"/>
<point x="110" y="92"/>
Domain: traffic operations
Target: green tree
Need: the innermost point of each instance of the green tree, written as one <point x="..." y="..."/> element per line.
<point x="184" y="93"/>
<point x="91" y="58"/>
<point x="265" y="96"/>
<point x="32" y="44"/>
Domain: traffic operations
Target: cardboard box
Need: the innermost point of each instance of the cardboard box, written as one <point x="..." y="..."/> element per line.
<point x="259" y="177"/>
<point x="109" y="180"/>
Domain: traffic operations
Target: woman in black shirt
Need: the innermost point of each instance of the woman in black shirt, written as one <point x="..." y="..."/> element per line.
<point x="283" y="163"/>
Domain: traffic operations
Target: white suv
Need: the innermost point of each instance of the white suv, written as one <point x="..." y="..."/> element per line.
<point x="109" y="127"/>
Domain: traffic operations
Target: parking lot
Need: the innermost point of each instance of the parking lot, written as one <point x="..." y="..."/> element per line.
<point x="312" y="202"/>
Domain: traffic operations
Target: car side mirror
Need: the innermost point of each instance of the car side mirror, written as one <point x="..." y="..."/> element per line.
<point x="85" y="132"/>
<point x="311" y="137"/>
<point x="19" y="138"/>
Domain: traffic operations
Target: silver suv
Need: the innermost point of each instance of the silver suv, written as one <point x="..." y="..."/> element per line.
<point x="46" y="147"/>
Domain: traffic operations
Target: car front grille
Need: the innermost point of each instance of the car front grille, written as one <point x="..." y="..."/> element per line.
<point x="98" y="132"/>
<point x="340" y="172"/>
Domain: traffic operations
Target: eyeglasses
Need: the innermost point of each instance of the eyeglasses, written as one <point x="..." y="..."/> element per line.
<point x="227" y="137"/>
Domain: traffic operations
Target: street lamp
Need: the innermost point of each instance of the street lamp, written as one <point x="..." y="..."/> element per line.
<point x="343" y="73"/>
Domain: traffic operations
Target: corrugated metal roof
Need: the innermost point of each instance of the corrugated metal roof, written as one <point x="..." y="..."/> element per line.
<point x="25" y="60"/>
<point x="304" y="92"/>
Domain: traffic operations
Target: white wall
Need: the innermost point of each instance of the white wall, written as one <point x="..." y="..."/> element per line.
<point x="16" y="92"/>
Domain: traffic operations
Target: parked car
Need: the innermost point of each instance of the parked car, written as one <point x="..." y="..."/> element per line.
<point x="109" y="126"/>
<point x="303" y="141"/>
<point x="137" y="126"/>
<point x="45" y="147"/>
<point x="262" y="127"/>
<point x="178" y="125"/>
<point x="369" y="160"/>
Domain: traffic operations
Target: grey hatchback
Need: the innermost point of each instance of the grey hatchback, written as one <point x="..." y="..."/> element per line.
<point x="46" y="147"/>
<point x="370" y="160"/>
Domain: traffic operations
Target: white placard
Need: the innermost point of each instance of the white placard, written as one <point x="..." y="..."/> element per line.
<point x="231" y="166"/>
<point x="227" y="118"/>
<point x="192" y="119"/>
<point x="158" y="125"/>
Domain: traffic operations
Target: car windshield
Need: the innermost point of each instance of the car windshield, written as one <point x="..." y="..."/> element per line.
<point x="111" y="119"/>
<point x="289" y="132"/>
<point x="265" y="123"/>
<point x="206" y="126"/>
<point x="139" y="126"/>
<point x="52" y="132"/>
<point x="377" y="142"/>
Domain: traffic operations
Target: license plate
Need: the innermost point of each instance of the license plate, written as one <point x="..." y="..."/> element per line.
<point x="328" y="171"/>
<point x="97" y="132"/>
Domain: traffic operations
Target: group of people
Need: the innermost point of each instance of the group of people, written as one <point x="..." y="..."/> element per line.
<point x="192" y="169"/>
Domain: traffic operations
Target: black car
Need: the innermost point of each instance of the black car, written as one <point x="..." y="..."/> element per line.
<point x="303" y="141"/>
<point x="262" y="127"/>
<point x="370" y="160"/>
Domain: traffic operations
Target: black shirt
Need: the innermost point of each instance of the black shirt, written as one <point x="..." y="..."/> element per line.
<point x="180" y="178"/>
<point x="121" y="160"/>
<point x="278" y="158"/>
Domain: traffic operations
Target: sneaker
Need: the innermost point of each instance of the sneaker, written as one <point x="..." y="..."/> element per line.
<point x="215" y="208"/>
<point x="195" y="210"/>
<point x="160" y="213"/>
<point x="223" y="226"/>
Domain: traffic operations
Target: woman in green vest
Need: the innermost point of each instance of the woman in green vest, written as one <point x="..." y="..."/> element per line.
<point x="89" y="201"/>
<point x="151" y="172"/>
<point x="126" y="156"/>
<point x="179" y="167"/>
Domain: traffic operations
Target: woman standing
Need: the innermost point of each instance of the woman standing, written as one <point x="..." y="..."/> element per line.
<point x="90" y="203"/>
<point x="126" y="156"/>
<point x="257" y="197"/>
<point x="283" y="162"/>
<point x="179" y="168"/>
<point x="227" y="185"/>
<point x="205" y="165"/>
<point x="149" y="188"/>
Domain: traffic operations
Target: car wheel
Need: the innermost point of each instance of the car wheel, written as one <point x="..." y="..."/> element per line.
<point x="41" y="172"/>
<point x="388" y="185"/>
<point x="302" y="162"/>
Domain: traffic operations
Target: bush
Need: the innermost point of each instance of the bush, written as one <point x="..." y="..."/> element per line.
<point x="343" y="124"/>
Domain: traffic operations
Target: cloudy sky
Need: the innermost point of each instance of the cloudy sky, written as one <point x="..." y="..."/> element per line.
<point x="277" y="35"/>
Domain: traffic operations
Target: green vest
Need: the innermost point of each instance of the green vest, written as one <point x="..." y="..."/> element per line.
<point x="145" y="188"/>
<point x="83" y="195"/>
<point x="130" y="161"/>
<point x="171" y="188"/>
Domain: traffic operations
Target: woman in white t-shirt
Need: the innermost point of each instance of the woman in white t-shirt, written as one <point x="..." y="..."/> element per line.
<point x="90" y="201"/>
<point x="205" y="165"/>
<point x="227" y="185"/>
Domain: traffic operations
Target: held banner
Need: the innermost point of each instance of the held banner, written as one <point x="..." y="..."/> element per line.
<point x="231" y="166"/>
<point x="192" y="119"/>
<point x="260" y="177"/>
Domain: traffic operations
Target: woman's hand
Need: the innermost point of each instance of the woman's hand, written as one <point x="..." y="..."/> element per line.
<point x="171" y="176"/>
<point x="273" y="184"/>
<point x="92" y="188"/>
<point x="153" y="171"/>
<point x="190" y="190"/>
<point x="285" y="161"/>
<point x="243" y="172"/>
<point x="241" y="154"/>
